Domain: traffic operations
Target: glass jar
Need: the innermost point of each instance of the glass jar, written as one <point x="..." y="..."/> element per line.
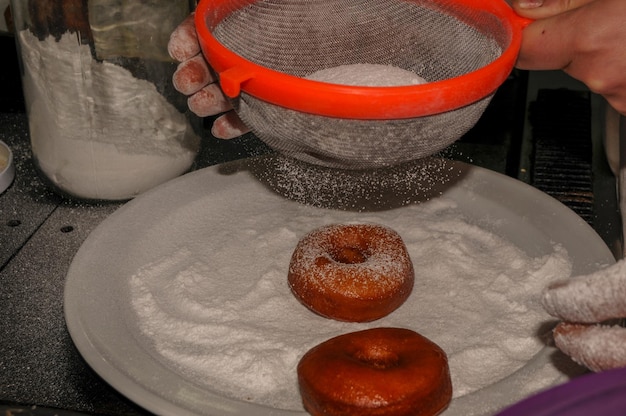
<point x="105" y="121"/>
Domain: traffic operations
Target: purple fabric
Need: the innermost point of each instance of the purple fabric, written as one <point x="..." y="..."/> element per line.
<point x="592" y="394"/>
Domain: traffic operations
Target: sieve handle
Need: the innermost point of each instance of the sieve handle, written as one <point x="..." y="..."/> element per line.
<point x="232" y="78"/>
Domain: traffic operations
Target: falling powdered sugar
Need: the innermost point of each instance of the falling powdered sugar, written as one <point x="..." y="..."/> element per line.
<point x="355" y="190"/>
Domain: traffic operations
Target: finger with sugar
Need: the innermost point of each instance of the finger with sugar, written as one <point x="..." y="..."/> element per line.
<point x="597" y="347"/>
<point x="192" y="75"/>
<point x="208" y="101"/>
<point x="591" y="298"/>
<point x="183" y="43"/>
<point x="229" y="126"/>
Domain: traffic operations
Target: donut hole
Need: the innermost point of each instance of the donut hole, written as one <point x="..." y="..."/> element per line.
<point x="349" y="255"/>
<point x="379" y="357"/>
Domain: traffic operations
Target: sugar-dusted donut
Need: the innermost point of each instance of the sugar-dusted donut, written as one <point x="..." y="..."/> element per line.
<point x="380" y="371"/>
<point x="355" y="273"/>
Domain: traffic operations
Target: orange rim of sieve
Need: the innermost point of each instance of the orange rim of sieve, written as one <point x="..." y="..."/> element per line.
<point x="237" y="74"/>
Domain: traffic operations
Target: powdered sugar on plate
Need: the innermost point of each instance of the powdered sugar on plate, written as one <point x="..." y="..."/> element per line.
<point x="218" y="310"/>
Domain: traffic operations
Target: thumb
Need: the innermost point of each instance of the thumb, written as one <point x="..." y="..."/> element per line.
<point x="541" y="9"/>
<point x="546" y="43"/>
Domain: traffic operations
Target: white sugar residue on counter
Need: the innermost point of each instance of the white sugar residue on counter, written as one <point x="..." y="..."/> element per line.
<point x="220" y="312"/>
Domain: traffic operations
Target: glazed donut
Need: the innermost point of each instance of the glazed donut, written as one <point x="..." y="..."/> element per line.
<point x="354" y="273"/>
<point x="380" y="371"/>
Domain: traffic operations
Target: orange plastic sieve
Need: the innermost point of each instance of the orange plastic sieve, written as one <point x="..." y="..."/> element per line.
<point x="263" y="51"/>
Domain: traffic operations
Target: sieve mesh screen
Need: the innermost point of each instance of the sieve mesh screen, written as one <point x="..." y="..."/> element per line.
<point x="299" y="37"/>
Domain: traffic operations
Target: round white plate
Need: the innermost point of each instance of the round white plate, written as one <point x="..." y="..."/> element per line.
<point x="98" y="308"/>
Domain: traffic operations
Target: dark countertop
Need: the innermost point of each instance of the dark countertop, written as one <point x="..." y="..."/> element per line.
<point x="41" y="372"/>
<point x="39" y="235"/>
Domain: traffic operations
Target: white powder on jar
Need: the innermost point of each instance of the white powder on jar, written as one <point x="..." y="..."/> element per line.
<point x="97" y="131"/>
<point x="218" y="309"/>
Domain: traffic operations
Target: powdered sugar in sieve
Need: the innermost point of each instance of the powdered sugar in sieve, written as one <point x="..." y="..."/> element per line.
<point x="367" y="75"/>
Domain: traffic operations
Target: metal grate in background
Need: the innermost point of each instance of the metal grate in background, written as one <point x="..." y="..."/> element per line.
<point x="562" y="148"/>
